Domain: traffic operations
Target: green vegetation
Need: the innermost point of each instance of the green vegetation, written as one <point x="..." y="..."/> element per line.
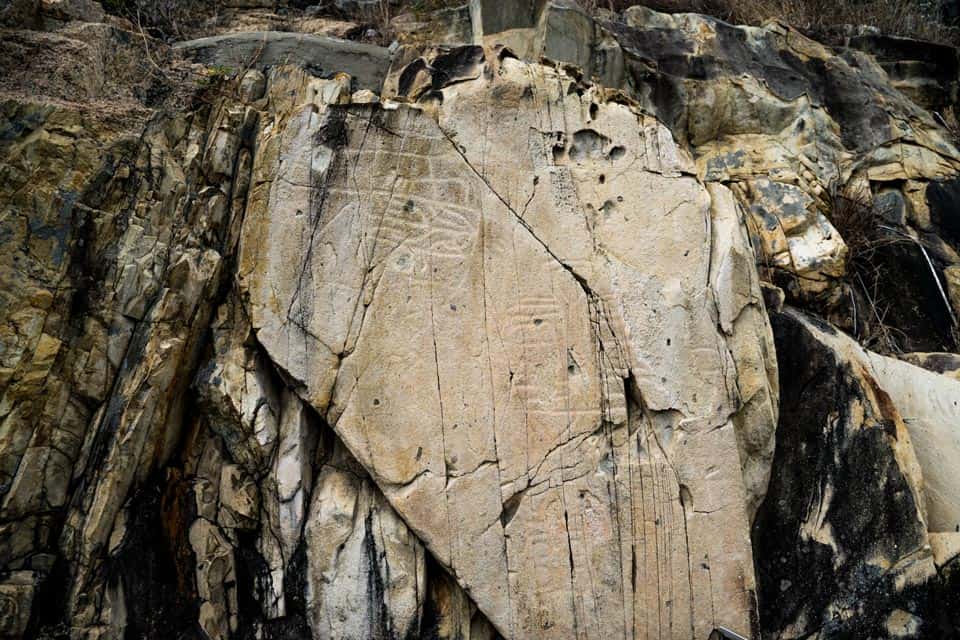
<point x="217" y="73"/>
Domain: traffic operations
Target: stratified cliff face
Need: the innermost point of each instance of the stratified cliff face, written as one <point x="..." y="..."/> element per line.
<point x="540" y="325"/>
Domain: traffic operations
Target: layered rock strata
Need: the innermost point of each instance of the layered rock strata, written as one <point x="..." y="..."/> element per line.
<point x="333" y="341"/>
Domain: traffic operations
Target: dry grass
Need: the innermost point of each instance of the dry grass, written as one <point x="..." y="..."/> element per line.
<point x="381" y="31"/>
<point x="167" y="20"/>
<point x="722" y="9"/>
<point x="171" y="19"/>
<point x="916" y="19"/>
<point x="910" y="18"/>
<point x="374" y="22"/>
<point x="853" y="213"/>
<point x="949" y="121"/>
<point x="870" y="238"/>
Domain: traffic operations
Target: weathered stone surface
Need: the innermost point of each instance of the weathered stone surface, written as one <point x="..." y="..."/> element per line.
<point x="946" y="363"/>
<point x="20" y="14"/>
<point x="928" y="403"/>
<point x="946" y="554"/>
<point x="16" y="599"/>
<point x="576" y="442"/>
<point x="930" y="406"/>
<point x="449" y="25"/>
<point x="924" y="71"/>
<point x="330" y="557"/>
<point x="366" y="575"/>
<point x="787" y="123"/>
<point x="841" y="540"/>
<point x="275" y="18"/>
<point x="473" y="348"/>
<point x="773" y="109"/>
<point x="91" y="385"/>
<point x="252" y="4"/>
<point x="322" y="56"/>
<point x="106" y="324"/>
<point x="82" y="65"/>
<point x="102" y="304"/>
<point x="70" y="10"/>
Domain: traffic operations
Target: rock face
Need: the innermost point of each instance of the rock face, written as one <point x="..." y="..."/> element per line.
<point x="796" y="129"/>
<point x="315" y="339"/>
<point x="322" y="56"/>
<point x="841" y="540"/>
<point x="562" y="453"/>
<point x="929" y="406"/>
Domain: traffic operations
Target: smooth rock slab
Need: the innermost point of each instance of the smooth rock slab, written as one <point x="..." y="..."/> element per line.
<point x="930" y="406"/>
<point x="544" y="386"/>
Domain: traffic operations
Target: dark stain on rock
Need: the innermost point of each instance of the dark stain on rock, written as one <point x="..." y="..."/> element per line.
<point x="409" y="74"/>
<point x="19" y="124"/>
<point x="438" y="606"/>
<point x="905" y="59"/>
<point x="510" y="508"/>
<point x="912" y="300"/>
<point x="456" y="65"/>
<point x="293" y="625"/>
<point x="155" y="564"/>
<point x="333" y="133"/>
<point x="661" y="62"/>
<point x="587" y="143"/>
<point x="253" y="579"/>
<point x="718" y="165"/>
<point x="378" y="619"/>
<point x="837" y="503"/>
<point x="941" y="362"/>
<point x="943" y="198"/>
<point x="889" y="415"/>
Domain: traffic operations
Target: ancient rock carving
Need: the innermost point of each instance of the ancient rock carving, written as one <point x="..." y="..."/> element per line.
<point x="528" y="326"/>
<point x="536" y="275"/>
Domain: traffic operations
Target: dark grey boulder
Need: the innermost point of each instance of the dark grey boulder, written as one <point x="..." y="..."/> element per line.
<point x="320" y="55"/>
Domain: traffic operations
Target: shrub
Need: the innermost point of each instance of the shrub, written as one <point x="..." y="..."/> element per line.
<point x="166" y="20"/>
<point x="923" y="19"/>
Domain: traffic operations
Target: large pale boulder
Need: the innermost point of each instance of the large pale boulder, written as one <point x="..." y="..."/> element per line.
<point x="588" y="444"/>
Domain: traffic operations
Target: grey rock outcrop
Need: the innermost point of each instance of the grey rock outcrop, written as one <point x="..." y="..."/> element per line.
<point x="795" y="128"/>
<point x="323" y="56"/>
<point x="494" y="339"/>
